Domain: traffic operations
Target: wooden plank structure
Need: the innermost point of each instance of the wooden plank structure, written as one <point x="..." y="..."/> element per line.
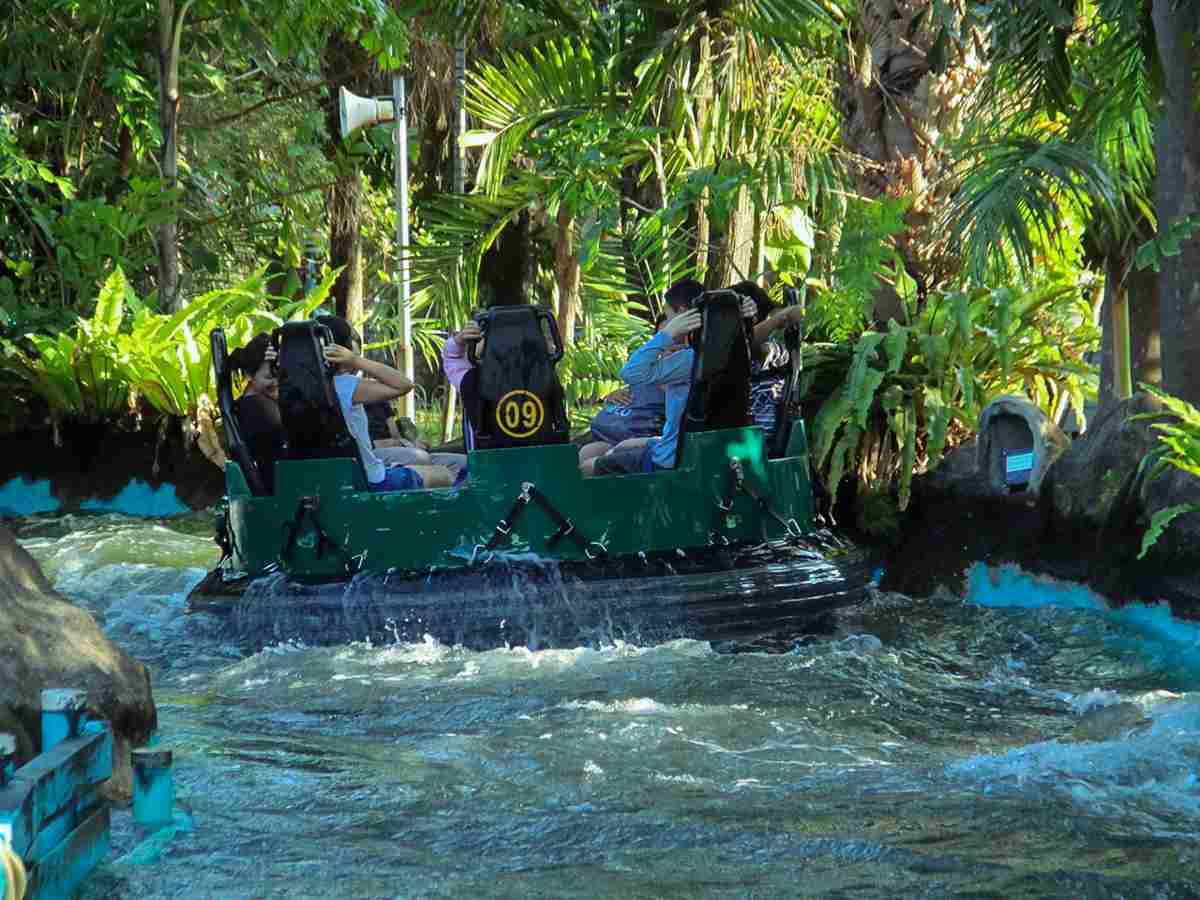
<point x="51" y="811"/>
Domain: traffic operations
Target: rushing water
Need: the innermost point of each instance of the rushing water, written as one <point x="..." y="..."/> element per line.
<point x="926" y="748"/>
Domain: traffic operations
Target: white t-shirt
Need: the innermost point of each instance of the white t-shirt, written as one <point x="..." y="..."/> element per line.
<point x="356" y="421"/>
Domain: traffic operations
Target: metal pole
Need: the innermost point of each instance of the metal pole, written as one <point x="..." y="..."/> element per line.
<point x="400" y="107"/>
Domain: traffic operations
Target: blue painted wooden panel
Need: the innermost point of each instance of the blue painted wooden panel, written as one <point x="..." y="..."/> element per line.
<point x="61" y="871"/>
<point x="41" y="790"/>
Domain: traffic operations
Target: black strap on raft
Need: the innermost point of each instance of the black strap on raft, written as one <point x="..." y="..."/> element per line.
<point x="737" y="483"/>
<point x="307" y="509"/>
<point x="566" y="528"/>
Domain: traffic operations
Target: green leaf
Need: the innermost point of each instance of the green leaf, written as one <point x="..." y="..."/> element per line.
<point x="1159" y="522"/>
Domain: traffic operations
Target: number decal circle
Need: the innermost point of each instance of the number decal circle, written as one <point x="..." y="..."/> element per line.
<point x="520" y="413"/>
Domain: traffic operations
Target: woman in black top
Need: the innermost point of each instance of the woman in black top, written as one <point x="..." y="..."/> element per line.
<point x="258" y="408"/>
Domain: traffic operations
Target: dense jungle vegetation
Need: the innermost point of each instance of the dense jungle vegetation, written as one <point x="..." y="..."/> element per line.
<point x="974" y="198"/>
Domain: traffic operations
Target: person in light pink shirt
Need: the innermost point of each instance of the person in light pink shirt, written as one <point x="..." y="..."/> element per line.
<point x="456" y="365"/>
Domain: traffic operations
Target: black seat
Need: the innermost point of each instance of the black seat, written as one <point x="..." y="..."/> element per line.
<point x="308" y="403"/>
<point x="512" y="397"/>
<point x="235" y="445"/>
<point x="719" y="396"/>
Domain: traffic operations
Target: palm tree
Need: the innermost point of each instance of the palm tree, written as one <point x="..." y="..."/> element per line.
<point x="910" y="73"/>
<point x="1176" y="27"/>
<point x="646" y="117"/>
<point x="1085" y="78"/>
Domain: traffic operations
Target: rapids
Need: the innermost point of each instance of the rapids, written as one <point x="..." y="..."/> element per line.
<point x="921" y="748"/>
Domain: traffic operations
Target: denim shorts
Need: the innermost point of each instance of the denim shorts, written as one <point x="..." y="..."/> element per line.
<point x="398" y="478"/>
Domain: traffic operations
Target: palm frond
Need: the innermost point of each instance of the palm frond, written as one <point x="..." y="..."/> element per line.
<point x="1011" y="199"/>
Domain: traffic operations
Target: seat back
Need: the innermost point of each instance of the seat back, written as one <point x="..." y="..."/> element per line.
<point x="514" y="398"/>
<point x="719" y="396"/>
<point x="308" y="403"/>
<point x="234" y="444"/>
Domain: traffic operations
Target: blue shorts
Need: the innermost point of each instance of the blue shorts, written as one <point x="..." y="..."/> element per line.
<point x="397" y="478"/>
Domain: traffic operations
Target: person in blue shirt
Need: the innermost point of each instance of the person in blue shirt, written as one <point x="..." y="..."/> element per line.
<point x="651" y="365"/>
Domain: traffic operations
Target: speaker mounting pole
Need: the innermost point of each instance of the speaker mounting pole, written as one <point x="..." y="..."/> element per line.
<point x="400" y="106"/>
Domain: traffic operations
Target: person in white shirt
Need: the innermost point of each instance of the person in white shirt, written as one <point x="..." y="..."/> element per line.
<point x="381" y="382"/>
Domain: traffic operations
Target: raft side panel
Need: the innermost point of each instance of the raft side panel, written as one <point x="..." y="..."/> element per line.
<point x="346" y="529"/>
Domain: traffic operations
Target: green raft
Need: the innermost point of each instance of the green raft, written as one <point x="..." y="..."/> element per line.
<point x="294" y="557"/>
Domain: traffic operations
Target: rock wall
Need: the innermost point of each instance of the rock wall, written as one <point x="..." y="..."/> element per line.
<point x="1086" y="523"/>
<point x="46" y="642"/>
<point x="105" y="468"/>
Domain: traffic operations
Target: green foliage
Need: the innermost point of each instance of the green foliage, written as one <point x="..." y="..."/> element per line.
<point x="1153" y="252"/>
<point x="78" y="375"/>
<point x="116" y="357"/>
<point x="1179" y="447"/>
<point x="902" y="390"/>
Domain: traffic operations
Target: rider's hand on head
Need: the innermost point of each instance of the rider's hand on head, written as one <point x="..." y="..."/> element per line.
<point x="469" y="332"/>
<point x="749" y="310"/>
<point x="684" y="323"/>
<point x="794" y="315"/>
<point x="339" y="355"/>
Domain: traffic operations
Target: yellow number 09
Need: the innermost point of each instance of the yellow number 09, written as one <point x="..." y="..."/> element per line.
<point x="519" y="413"/>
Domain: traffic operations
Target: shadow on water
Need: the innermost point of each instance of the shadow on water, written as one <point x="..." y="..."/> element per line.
<point x="741" y="595"/>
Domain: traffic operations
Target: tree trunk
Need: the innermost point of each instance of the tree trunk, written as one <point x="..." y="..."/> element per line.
<point x="731" y="245"/>
<point x="898" y="114"/>
<point x="170" y="30"/>
<point x="343" y="63"/>
<point x="1177" y="149"/>
<point x="345" y="211"/>
<point x="1141" y="294"/>
<point x="506" y="273"/>
<point x="566" y="271"/>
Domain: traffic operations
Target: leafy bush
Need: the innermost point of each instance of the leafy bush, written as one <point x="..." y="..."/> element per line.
<point x="904" y="389"/>
<point x="77" y="373"/>
<point x="99" y="371"/>
<point x="1179" y="446"/>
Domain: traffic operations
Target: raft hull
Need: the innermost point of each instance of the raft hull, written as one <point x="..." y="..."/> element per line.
<point x="529" y="552"/>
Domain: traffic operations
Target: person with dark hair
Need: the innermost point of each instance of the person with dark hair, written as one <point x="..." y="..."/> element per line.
<point x="650" y="364"/>
<point x="770" y="359"/>
<point x="382" y="382"/>
<point x="257" y="409"/>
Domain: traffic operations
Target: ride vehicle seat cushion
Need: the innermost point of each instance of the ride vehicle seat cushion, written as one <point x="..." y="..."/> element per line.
<point x="308" y="403"/>
<point x="720" y="392"/>
<point x="513" y="397"/>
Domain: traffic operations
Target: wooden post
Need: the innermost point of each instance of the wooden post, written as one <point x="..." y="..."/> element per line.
<point x="8" y="757"/>
<point x="61" y="709"/>
<point x="153" y="788"/>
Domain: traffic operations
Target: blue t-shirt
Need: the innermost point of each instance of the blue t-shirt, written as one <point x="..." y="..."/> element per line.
<point x="648" y="366"/>
<point x="642" y="417"/>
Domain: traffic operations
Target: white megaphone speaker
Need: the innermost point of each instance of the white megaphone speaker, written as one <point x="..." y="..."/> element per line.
<point x="357" y="112"/>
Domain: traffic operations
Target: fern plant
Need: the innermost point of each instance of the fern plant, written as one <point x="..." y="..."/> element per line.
<point x="907" y="388"/>
<point x="77" y="374"/>
<point x="1179" y="446"/>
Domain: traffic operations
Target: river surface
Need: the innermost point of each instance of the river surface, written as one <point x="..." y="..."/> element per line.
<point x="923" y="748"/>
